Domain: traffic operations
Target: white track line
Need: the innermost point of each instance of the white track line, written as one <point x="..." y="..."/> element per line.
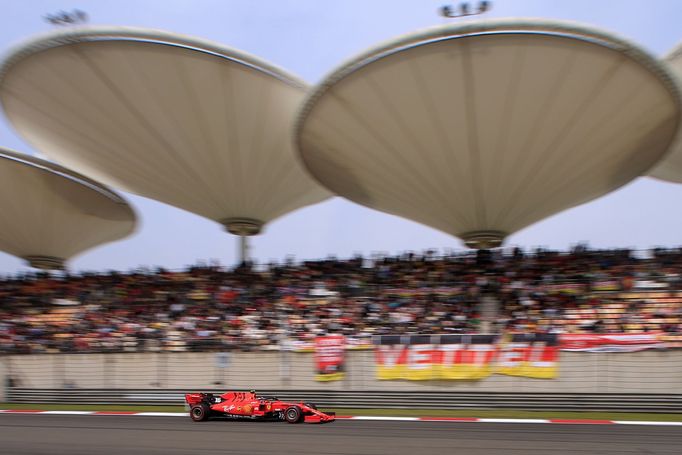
<point x="406" y="419"/>
<point x="514" y="420"/>
<point x="374" y="418"/>
<point x="639" y="422"/>
<point x="75" y="413"/>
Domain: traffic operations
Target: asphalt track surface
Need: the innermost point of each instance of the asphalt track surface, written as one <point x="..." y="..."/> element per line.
<point x="89" y="435"/>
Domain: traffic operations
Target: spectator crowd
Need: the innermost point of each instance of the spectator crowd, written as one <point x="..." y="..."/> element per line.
<point x="287" y="305"/>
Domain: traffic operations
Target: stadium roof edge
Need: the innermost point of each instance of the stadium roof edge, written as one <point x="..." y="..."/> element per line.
<point x="62" y="171"/>
<point x="83" y="34"/>
<point x="573" y="29"/>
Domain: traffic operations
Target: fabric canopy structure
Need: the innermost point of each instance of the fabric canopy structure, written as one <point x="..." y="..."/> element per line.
<point x="484" y="128"/>
<point x="670" y="167"/>
<point x="50" y="214"/>
<point x="177" y="119"/>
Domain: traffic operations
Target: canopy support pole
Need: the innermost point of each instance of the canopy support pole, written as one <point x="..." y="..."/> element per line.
<point x="243" y="248"/>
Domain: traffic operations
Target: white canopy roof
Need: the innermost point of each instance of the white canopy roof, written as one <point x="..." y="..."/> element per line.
<point x="670" y="167"/>
<point x="483" y="128"/>
<point x="184" y="121"/>
<point x="50" y="214"/>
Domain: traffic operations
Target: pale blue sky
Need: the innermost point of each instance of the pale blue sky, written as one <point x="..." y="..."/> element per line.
<point x="310" y="38"/>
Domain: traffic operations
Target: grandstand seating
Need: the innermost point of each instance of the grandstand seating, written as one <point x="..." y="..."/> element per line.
<point x="208" y="308"/>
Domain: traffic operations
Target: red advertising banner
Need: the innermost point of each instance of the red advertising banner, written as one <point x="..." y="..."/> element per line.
<point x="329" y="357"/>
<point x="426" y="357"/>
<point x="611" y="342"/>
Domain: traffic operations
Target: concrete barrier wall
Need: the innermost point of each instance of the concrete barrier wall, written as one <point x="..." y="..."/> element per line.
<point x="641" y="372"/>
<point x="3" y="380"/>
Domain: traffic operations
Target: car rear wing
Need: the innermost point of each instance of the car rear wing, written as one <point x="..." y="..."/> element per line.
<point x="194" y="398"/>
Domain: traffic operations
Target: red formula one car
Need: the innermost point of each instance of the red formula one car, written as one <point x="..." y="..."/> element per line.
<point x="249" y="406"/>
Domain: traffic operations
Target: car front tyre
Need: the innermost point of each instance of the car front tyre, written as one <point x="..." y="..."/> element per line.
<point x="293" y="414"/>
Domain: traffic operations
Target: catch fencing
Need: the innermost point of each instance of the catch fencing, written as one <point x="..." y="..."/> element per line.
<point x="648" y="380"/>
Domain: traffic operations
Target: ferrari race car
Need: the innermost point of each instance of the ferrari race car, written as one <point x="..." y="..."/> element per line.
<point x="249" y="406"/>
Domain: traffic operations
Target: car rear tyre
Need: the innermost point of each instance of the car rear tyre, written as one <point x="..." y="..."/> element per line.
<point x="293" y="414"/>
<point x="199" y="412"/>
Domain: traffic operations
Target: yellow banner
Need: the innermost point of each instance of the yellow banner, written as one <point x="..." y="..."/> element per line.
<point x="431" y="372"/>
<point x="464" y="371"/>
<point x="330" y="377"/>
<point x="529" y="370"/>
<point x="465" y="357"/>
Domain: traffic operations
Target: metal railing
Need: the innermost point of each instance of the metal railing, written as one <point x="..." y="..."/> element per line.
<point x="376" y="399"/>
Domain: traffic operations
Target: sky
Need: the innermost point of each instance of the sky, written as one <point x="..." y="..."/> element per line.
<point x="310" y="38"/>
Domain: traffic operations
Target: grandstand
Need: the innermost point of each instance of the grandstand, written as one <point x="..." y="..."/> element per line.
<point x="209" y="308"/>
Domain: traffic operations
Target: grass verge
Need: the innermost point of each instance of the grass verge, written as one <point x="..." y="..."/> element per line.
<point x="483" y="413"/>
